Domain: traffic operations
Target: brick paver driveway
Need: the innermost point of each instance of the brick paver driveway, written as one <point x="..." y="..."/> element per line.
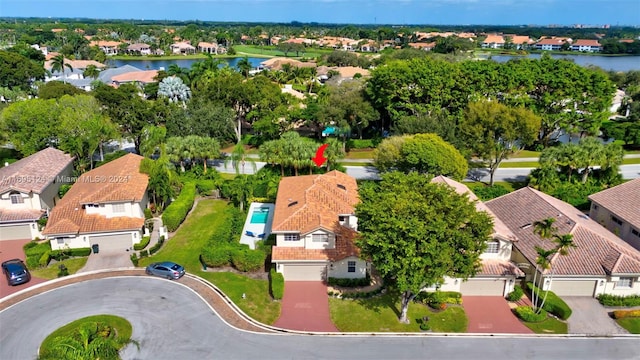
<point x="590" y="318"/>
<point x="305" y="306"/>
<point x="491" y="314"/>
<point x="12" y="249"/>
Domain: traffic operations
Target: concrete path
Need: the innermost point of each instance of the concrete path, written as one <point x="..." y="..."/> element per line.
<point x="109" y="259"/>
<point x="590" y="318"/>
<point x="305" y="306"/>
<point x="491" y="314"/>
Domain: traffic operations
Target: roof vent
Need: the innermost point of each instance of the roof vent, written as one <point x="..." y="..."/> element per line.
<point x="292" y="204"/>
<point x="340" y="186"/>
<point x="525" y="226"/>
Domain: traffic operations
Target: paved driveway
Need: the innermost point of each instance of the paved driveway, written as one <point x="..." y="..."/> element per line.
<point x="590" y="318"/>
<point x="110" y="259"/>
<point x="491" y="314"/>
<point x="305" y="306"/>
<point x="12" y="249"/>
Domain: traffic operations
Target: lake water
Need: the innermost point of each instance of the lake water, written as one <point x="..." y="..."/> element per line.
<point x="164" y="64"/>
<point x="615" y="63"/>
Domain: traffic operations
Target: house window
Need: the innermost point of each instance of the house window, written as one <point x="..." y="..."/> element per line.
<point x="616" y="220"/>
<point x="291" y="237"/>
<point x="492" y="247"/>
<point x="595" y="207"/>
<point x="624" y="282"/>
<point x="351" y="266"/>
<point x="320" y="238"/>
<point x="16" y="198"/>
<point x="60" y="241"/>
<point x="118" y="208"/>
<point x="342" y="218"/>
<point x="635" y="232"/>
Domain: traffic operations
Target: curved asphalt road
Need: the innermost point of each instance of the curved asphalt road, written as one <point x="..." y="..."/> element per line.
<point x="171" y="322"/>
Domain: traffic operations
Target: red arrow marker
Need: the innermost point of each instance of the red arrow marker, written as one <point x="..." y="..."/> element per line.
<point x="320" y="159"/>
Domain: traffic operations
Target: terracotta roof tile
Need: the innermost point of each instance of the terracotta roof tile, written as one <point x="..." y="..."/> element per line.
<point x="345" y="247"/>
<point x="492" y="267"/>
<point x="117" y="181"/>
<point x="583" y="42"/>
<point x="144" y="76"/>
<point x="35" y="172"/>
<point x="598" y="251"/>
<point x="18" y="215"/>
<point x="622" y="200"/>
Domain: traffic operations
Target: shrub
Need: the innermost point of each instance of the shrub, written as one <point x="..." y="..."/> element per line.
<point x="177" y="211"/>
<point x="147" y="214"/>
<point x="276" y="284"/>
<point x="144" y="253"/>
<point x="516" y="294"/>
<point x="617" y="300"/>
<point x="527" y="314"/>
<point x="63" y="271"/>
<point x="144" y="242"/>
<point x="44" y="259"/>
<point x="490" y="192"/>
<point x="436" y="299"/>
<point x="246" y="260"/>
<point x="66" y="253"/>
<point x="424" y="326"/>
<point x="134" y="259"/>
<point x="366" y="281"/>
<point x="34" y="248"/>
<point x="621" y="314"/>
<point x="217" y="255"/>
<point x="29" y="245"/>
<point x="157" y="246"/>
<point x="361" y="143"/>
<point x="553" y="304"/>
<point x="205" y="187"/>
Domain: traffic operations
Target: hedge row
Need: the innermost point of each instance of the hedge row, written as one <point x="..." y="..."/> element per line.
<point x="205" y="187"/>
<point x="357" y="294"/>
<point x="142" y="244"/>
<point x="617" y="300"/>
<point x="366" y="281"/>
<point x="177" y="211"/>
<point x="276" y="284"/>
<point x="527" y="314"/>
<point x="621" y="314"/>
<point x="362" y="143"/>
<point x="228" y="254"/>
<point x="437" y="298"/>
<point x="553" y="304"/>
<point x="516" y="294"/>
<point x="157" y="246"/>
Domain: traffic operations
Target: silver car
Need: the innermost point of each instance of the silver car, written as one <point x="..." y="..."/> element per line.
<point x="167" y="269"/>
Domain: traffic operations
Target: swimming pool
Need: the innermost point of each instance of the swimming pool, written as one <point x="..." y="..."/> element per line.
<point x="260" y="215"/>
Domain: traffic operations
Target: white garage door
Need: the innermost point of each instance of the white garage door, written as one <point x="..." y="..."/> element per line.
<point x="120" y="242"/>
<point x="573" y="287"/>
<point x="304" y="272"/>
<point x="483" y="287"/>
<point x="15" y="232"/>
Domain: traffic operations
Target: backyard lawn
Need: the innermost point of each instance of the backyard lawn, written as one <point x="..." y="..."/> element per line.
<point x="185" y="246"/>
<point x="632" y="324"/>
<point x="51" y="271"/>
<point x="360" y="154"/>
<point x="380" y="314"/>
<point x="269" y="51"/>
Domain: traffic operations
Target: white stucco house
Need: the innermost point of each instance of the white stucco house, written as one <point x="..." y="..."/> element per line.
<point x="618" y="209"/>
<point x="29" y="190"/>
<point x="600" y="263"/>
<point x="105" y="206"/>
<point x="497" y="275"/>
<point x="315" y="225"/>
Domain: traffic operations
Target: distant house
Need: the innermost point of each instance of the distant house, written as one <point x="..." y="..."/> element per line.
<point x="618" y="209"/>
<point x="586" y="45"/>
<point x="139" y="48"/>
<point x="104" y="207"/>
<point x="369" y="46"/>
<point x="29" y="190"/>
<point x="315" y="226"/>
<point x="423" y="46"/>
<point x="521" y="42"/>
<point x="182" y="48"/>
<point x="211" y="48"/>
<point x="550" y="44"/>
<point x="493" y="42"/>
<point x="138" y="77"/>
<point x="108" y="47"/>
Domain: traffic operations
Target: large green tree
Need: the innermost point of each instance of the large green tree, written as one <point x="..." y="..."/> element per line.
<point x="31" y="125"/>
<point x="416" y="232"/>
<point x="17" y="71"/>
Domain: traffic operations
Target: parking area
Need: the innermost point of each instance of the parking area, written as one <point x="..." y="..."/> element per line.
<point x="491" y="314"/>
<point x="12" y="249"/>
<point x="590" y="318"/>
<point x="305" y="306"/>
<point x="108" y="259"/>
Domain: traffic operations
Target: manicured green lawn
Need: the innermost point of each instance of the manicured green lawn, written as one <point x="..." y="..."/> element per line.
<point x="632" y="324"/>
<point x="185" y="246"/>
<point x="380" y="314"/>
<point x="526" y="154"/>
<point x="51" y="271"/>
<point x="631" y="161"/>
<point x="360" y="154"/>
<point x="122" y="327"/>
<point x="519" y="164"/>
<point x="270" y="51"/>
<point x="549" y="326"/>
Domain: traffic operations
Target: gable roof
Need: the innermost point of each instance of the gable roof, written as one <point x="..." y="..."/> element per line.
<point x="499" y="228"/>
<point x="144" y="76"/>
<point x="35" y="172"/>
<point x="494" y="39"/>
<point x="345" y="247"/>
<point x="551" y="42"/>
<point x="117" y="181"/>
<point x="598" y="252"/>
<point x="584" y="42"/>
<point x="622" y="200"/>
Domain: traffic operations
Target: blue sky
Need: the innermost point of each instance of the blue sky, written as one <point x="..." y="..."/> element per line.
<point x="459" y="12"/>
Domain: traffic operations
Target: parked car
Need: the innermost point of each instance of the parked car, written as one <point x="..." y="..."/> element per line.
<point x="16" y="272"/>
<point x="167" y="269"/>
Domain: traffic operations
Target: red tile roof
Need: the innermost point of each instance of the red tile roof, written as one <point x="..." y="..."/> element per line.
<point x="144" y="76"/>
<point x="491" y="39"/>
<point x="117" y="181"/>
<point x="35" y="172"/>
<point x="599" y="252"/>
<point x="345" y="247"/>
<point x="622" y="200"/>
<point x="583" y="42"/>
<point x="494" y="267"/>
<point x="19" y="215"/>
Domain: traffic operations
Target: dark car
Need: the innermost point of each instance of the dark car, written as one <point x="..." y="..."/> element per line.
<point x="167" y="269"/>
<point x="16" y="272"/>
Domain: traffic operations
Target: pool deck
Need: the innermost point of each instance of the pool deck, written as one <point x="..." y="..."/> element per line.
<point x="256" y="229"/>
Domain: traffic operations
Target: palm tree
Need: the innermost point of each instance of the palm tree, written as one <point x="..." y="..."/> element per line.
<point x="544" y="228"/>
<point x="244" y="66"/>
<point x="92" y="341"/>
<point x="91" y="71"/>
<point x="58" y="63"/>
<point x="563" y="244"/>
<point x="238" y="158"/>
<point x="173" y="88"/>
<point x="543" y="262"/>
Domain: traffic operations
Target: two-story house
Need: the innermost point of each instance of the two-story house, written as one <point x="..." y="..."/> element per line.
<point x="28" y="190"/>
<point x="497" y="274"/>
<point x="493" y="41"/>
<point x="105" y="206"/>
<point x="315" y="225"/>
<point x="618" y="209"/>
<point x="599" y="263"/>
<point x="586" y="45"/>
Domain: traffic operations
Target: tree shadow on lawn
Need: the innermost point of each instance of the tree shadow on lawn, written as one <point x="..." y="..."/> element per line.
<point x="387" y="299"/>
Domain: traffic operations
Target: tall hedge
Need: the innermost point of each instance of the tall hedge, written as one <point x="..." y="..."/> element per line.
<point x="553" y="304"/>
<point x="276" y="284"/>
<point x="177" y="211"/>
<point x="247" y="260"/>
